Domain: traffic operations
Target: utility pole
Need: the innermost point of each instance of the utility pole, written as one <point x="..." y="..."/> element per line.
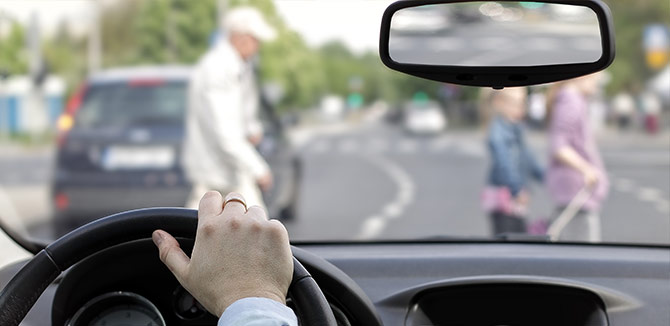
<point x="31" y="114"/>
<point x="94" y="39"/>
<point x="170" y="33"/>
<point x="221" y="8"/>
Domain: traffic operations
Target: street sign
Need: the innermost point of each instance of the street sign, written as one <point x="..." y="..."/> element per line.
<point x="656" y="43"/>
<point x="355" y="100"/>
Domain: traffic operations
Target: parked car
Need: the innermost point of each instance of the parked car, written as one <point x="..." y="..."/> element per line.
<point x="424" y="118"/>
<point x="120" y="142"/>
<point x="422" y="20"/>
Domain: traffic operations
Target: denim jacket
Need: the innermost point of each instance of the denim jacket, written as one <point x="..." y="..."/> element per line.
<point x="512" y="162"/>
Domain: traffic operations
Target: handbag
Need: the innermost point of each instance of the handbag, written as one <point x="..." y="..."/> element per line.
<point x="499" y="199"/>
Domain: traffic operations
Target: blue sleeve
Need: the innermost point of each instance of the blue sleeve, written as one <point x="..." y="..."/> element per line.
<point x="536" y="170"/>
<point x="509" y="176"/>
<point x="258" y="312"/>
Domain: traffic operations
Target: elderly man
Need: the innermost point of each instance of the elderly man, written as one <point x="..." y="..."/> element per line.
<point x="222" y="127"/>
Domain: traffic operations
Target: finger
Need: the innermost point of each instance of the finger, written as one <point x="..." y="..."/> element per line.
<point x="170" y="253"/>
<point x="211" y="204"/>
<point x="279" y="231"/>
<point x="234" y="205"/>
<point x="257" y="213"/>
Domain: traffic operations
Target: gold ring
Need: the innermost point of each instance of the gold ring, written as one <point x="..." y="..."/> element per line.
<point x="235" y="199"/>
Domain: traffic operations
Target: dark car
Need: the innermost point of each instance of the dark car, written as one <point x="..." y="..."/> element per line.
<point x="120" y="143"/>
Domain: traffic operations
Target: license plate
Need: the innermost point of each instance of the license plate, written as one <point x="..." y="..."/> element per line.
<point x="136" y="158"/>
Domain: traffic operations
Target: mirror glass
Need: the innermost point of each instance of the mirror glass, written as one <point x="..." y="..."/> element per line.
<point x="474" y="34"/>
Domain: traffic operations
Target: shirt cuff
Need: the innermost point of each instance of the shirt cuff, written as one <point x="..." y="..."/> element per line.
<point x="258" y="312"/>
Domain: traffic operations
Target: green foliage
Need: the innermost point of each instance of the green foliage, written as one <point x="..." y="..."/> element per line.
<point x="66" y="56"/>
<point x="179" y="31"/>
<point x="629" y="69"/>
<point x="13" y="55"/>
<point x="169" y="31"/>
<point x="118" y="29"/>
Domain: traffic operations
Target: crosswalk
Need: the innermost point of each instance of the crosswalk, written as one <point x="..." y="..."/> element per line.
<point x="402" y="146"/>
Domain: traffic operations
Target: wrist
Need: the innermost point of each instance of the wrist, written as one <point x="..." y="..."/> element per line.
<point x="227" y="301"/>
<point x="586" y="169"/>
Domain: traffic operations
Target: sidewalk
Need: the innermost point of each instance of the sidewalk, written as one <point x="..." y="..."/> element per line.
<point x="14" y="149"/>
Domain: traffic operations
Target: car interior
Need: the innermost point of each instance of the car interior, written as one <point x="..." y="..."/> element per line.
<point x="109" y="268"/>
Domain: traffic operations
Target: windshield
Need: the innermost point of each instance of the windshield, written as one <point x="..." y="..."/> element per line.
<point x="355" y="151"/>
<point x="127" y="105"/>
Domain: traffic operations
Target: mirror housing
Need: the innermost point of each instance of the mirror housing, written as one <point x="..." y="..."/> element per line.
<point x="500" y="76"/>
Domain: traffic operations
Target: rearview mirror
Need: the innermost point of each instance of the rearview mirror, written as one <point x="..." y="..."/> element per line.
<point x="498" y="44"/>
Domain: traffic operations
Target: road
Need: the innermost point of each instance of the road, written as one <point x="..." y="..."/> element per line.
<point x="374" y="181"/>
<point x="378" y="182"/>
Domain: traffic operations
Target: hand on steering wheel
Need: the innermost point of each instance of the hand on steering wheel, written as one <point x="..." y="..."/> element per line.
<point x="21" y="293"/>
<point x="238" y="253"/>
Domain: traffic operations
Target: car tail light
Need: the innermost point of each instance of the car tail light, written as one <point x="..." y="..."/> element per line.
<point x="66" y="120"/>
<point x="61" y="201"/>
<point x="74" y="103"/>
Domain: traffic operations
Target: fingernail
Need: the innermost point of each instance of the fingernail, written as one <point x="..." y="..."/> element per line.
<point x="157" y="237"/>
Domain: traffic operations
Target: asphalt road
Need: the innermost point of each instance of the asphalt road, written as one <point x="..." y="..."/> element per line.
<point x="375" y="181"/>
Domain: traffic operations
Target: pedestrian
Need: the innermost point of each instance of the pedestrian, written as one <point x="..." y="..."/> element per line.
<point x="575" y="162"/>
<point x="506" y="196"/>
<point x="222" y="126"/>
<point x="651" y="106"/>
<point x="624" y="110"/>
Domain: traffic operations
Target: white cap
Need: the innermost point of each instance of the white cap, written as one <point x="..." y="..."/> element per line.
<point x="248" y="20"/>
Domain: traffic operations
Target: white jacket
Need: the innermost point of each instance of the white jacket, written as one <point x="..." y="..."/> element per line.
<point x="222" y="113"/>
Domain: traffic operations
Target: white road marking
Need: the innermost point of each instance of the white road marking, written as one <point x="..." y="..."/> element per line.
<point x="407" y="146"/>
<point x="471" y="148"/>
<point x="348" y="146"/>
<point x="377" y="145"/>
<point x="648" y="194"/>
<point x="404" y="146"/>
<point x="321" y="146"/>
<point x="663" y="207"/>
<point x="624" y="185"/>
<point x="440" y="144"/>
<point x="373" y="226"/>
<point x="393" y="210"/>
<point x="644" y="194"/>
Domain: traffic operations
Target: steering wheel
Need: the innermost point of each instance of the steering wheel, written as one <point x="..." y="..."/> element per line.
<point x="21" y="293"/>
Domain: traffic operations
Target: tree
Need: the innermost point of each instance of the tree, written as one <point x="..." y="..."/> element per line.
<point x="630" y="18"/>
<point x="66" y="56"/>
<point x="13" y="55"/>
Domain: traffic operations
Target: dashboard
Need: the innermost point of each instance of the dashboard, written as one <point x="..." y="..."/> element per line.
<point x="430" y="283"/>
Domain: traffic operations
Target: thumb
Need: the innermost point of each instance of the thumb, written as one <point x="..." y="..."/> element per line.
<point x="170" y="253"/>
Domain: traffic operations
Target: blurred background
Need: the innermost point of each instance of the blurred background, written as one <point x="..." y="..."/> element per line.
<point x="374" y="154"/>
